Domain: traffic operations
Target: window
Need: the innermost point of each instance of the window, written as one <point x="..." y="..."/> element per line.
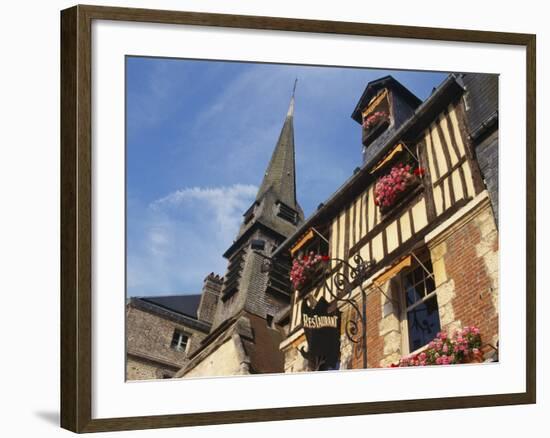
<point x="317" y="245"/>
<point x="286" y="213"/>
<point x="421" y="308"/>
<point x="376" y="117"/>
<point x="179" y="341"/>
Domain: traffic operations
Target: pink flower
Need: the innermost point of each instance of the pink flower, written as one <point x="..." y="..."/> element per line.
<point x="390" y="185"/>
<point x="443" y="350"/>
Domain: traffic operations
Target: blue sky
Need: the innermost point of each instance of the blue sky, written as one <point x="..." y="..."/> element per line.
<point x="199" y="137"/>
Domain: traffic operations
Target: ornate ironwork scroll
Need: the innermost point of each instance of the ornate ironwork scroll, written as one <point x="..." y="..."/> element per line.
<point x="339" y="286"/>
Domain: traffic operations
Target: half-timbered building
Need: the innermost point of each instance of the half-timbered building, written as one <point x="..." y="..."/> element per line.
<point x="408" y="246"/>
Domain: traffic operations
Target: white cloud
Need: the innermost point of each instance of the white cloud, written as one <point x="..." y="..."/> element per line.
<point x="221" y="206"/>
<point x="178" y="239"/>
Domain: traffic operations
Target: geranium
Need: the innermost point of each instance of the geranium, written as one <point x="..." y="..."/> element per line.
<point x="374" y="118"/>
<point x="399" y="179"/>
<point x="303" y="268"/>
<point x="462" y="347"/>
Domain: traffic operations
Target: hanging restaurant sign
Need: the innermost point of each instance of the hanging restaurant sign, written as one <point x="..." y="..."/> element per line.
<point x="322" y="331"/>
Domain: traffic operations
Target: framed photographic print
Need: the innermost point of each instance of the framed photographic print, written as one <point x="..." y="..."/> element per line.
<point x="263" y="208"/>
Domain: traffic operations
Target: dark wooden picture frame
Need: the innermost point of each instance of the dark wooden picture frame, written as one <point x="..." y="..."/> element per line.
<point x="76" y="217"/>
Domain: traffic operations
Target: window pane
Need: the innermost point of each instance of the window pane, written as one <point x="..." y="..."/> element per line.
<point x="175" y="340"/>
<point x="179" y="341"/>
<point x="430" y="285"/>
<point x="418" y="275"/>
<point x="408" y="281"/>
<point x="423" y="323"/>
<point x="414" y="293"/>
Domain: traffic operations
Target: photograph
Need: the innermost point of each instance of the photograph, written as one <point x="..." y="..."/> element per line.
<point x="274" y="219"/>
<point x="286" y="218"/>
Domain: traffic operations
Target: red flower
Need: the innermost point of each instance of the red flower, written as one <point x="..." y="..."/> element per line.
<point x="304" y="267"/>
<point x="397" y="180"/>
<point x="373" y="119"/>
<point x="419" y="171"/>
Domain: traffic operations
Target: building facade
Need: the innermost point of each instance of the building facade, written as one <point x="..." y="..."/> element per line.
<point x="161" y="331"/>
<point x="407" y="256"/>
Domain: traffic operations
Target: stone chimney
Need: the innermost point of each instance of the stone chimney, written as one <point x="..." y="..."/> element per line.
<point x="211" y="289"/>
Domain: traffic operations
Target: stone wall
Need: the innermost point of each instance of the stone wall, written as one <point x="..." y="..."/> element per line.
<point x="148" y="339"/>
<point x="229" y="359"/>
<point x="294" y="361"/>
<point x="210" y="294"/>
<point x="139" y="369"/>
<point x="468" y="284"/>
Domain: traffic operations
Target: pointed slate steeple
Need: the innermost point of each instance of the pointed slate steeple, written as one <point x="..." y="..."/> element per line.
<point x="276" y="207"/>
<point x="280" y="175"/>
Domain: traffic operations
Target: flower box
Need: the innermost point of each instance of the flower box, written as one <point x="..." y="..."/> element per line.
<point x="375" y="119"/>
<point x="305" y="270"/>
<point x="463" y="347"/>
<point x="374" y="125"/>
<point x="391" y="188"/>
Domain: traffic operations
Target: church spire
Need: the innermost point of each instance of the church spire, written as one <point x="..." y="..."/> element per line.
<point x="290" y="112"/>
<point x="280" y="176"/>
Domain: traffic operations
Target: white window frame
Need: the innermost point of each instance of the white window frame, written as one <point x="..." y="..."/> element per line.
<point x="404" y="309"/>
<point x="182" y="334"/>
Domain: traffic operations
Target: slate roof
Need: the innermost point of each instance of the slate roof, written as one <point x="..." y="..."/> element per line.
<point x="184" y="304"/>
<point x="278" y="186"/>
<point x="280" y="175"/>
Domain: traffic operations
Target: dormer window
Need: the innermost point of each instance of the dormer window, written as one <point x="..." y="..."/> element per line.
<point x="384" y="105"/>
